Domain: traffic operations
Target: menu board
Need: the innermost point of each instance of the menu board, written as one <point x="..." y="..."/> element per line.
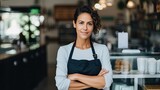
<point x="122" y="40"/>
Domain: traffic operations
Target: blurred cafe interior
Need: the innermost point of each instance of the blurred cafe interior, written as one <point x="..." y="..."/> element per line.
<point x="31" y="32"/>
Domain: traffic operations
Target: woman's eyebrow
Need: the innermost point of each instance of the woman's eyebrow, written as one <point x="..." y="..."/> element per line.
<point x="87" y="21"/>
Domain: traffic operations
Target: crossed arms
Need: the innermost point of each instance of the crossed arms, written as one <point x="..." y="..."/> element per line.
<point x="80" y="81"/>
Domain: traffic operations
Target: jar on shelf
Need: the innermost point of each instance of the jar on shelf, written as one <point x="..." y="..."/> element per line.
<point x="150" y="7"/>
<point x="125" y="67"/>
<point x="158" y="7"/>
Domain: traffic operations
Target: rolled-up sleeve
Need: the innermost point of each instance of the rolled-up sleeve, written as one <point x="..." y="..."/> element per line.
<point x="107" y="65"/>
<point x="62" y="82"/>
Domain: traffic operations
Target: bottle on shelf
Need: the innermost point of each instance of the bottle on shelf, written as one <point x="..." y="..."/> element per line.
<point x="150" y="8"/>
<point x="145" y="7"/>
<point x="158" y="7"/>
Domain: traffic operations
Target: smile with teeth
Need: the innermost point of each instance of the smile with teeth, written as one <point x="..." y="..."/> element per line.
<point x="84" y="32"/>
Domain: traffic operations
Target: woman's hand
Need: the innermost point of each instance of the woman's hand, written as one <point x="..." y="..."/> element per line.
<point x="103" y="72"/>
<point x="73" y="77"/>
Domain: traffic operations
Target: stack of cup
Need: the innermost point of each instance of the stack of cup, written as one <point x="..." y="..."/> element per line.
<point x="147" y="65"/>
<point x="142" y="63"/>
<point x="151" y="65"/>
<point x="158" y="66"/>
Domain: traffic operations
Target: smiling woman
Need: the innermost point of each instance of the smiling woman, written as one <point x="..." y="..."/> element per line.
<point x="84" y="64"/>
<point x="84" y="26"/>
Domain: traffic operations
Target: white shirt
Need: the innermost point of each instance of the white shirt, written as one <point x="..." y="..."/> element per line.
<point x="62" y="82"/>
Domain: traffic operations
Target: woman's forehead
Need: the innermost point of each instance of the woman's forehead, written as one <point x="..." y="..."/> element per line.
<point x="85" y="16"/>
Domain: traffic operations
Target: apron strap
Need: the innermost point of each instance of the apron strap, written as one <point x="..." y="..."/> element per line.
<point x="71" y="52"/>
<point x="94" y="53"/>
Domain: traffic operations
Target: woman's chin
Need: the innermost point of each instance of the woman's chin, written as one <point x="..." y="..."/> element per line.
<point x="84" y="37"/>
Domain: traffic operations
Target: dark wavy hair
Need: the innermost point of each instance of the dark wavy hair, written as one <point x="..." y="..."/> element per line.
<point x="93" y="13"/>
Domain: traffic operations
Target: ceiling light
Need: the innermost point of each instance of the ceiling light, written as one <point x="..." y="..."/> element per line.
<point x="98" y="6"/>
<point x="109" y="2"/>
<point x="130" y="4"/>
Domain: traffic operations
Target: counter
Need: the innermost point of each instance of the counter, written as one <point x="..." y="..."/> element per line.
<point x="23" y="69"/>
<point x="133" y="78"/>
<point x="10" y="52"/>
<point x="133" y="55"/>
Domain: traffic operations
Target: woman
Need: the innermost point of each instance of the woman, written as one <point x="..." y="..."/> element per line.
<point x="84" y="64"/>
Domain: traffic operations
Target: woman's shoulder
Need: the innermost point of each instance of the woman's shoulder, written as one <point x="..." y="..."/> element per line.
<point x="98" y="45"/>
<point x="66" y="47"/>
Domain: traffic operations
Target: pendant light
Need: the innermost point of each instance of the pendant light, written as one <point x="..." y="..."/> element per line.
<point x="102" y="4"/>
<point x="131" y="4"/>
<point x="109" y="2"/>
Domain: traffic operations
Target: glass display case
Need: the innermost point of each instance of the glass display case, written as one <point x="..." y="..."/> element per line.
<point x="135" y="71"/>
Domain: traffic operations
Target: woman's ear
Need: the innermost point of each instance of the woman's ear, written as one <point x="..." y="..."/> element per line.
<point x="74" y="24"/>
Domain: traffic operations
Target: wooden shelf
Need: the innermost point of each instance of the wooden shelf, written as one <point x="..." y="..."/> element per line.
<point x="64" y="12"/>
<point x="135" y="74"/>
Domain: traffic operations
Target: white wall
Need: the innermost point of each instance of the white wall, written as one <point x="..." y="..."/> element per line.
<point x="17" y="2"/>
<point x="45" y="3"/>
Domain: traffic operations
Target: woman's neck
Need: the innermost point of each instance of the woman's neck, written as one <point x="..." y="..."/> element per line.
<point x="83" y="44"/>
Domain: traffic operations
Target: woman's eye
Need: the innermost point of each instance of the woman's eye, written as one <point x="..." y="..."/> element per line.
<point x="90" y="24"/>
<point x="80" y="22"/>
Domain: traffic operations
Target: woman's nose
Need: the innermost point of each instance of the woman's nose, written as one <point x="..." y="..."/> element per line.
<point x="85" y="27"/>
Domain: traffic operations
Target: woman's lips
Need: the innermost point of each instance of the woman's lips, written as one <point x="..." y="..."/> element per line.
<point x="85" y="33"/>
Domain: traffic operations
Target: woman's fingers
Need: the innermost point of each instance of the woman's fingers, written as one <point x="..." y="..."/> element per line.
<point x="102" y="72"/>
<point x="71" y="76"/>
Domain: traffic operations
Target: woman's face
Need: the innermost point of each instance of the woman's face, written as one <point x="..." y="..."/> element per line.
<point x="84" y="26"/>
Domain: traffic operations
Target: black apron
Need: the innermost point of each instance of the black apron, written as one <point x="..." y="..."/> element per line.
<point x="92" y="67"/>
